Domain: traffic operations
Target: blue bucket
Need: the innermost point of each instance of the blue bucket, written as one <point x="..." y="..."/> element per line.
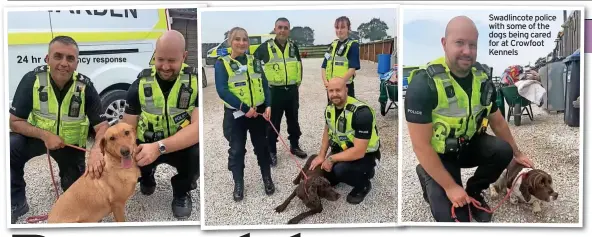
<point x="384" y="63"/>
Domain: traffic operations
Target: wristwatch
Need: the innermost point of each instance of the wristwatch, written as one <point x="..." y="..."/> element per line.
<point x="161" y="148"/>
<point x="330" y="159"/>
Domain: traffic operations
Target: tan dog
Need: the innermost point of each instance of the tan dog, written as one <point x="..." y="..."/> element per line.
<point x="90" y="200"/>
<point x="535" y="187"/>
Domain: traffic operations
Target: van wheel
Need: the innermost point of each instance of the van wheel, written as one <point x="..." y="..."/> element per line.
<point x="114" y="105"/>
<point x="204" y="81"/>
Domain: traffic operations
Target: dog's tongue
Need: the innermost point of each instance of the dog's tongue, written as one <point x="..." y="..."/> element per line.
<point x="126" y="163"/>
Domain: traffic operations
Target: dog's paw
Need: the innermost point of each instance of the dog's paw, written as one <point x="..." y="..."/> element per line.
<point x="494" y="194"/>
<point x="280" y="208"/>
<point x="513" y="200"/>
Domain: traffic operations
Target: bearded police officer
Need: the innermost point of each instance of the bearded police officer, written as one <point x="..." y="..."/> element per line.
<point x="342" y="58"/>
<point x="163" y="105"/>
<point x="54" y="106"/>
<point x="448" y="107"/>
<point x="283" y="69"/>
<point x="350" y="132"/>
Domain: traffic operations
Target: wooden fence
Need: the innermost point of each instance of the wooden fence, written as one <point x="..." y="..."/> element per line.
<point x="568" y="41"/>
<point x="370" y="51"/>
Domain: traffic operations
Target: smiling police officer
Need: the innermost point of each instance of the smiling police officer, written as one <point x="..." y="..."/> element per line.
<point x="54" y="105"/>
<point x="163" y="104"/>
<point x="283" y="69"/>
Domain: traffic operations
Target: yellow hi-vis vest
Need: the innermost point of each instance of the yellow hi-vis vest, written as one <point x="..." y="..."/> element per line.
<point x="68" y="120"/>
<point x="455" y="115"/>
<point x="337" y="63"/>
<point x="161" y="115"/>
<point x="246" y="84"/>
<point x="341" y="132"/>
<point x="283" y="68"/>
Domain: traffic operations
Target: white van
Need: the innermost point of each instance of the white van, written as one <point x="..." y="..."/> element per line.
<point x="115" y="45"/>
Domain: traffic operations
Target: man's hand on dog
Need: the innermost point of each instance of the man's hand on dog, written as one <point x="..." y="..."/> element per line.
<point x="522" y="159"/>
<point x="327" y="165"/>
<point x="147" y="153"/>
<point x="95" y="164"/>
<point x="317" y="161"/>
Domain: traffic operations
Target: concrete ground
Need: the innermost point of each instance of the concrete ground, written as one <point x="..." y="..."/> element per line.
<point x="547" y="141"/>
<point x="258" y="208"/>
<point x="140" y="208"/>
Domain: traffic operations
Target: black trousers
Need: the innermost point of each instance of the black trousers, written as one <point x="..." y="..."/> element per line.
<point x="354" y="173"/>
<point x="350" y="92"/>
<point x="71" y="164"/>
<point x="186" y="162"/>
<point x="235" y="131"/>
<point x="490" y="154"/>
<point x="284" y="99"/>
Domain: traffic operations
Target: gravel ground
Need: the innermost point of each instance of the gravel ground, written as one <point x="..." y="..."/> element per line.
<point x="140" y="208"/>
<point x="257" y="208"/>
<point x="551" y="145"/>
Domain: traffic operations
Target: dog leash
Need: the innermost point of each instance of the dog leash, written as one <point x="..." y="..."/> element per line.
<point x="287" y="149"/>
<point x="35" y="219"/>
<point x="478" y="205"/>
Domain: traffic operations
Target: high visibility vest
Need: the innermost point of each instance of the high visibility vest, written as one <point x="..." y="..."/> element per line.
<point x="341" y="132"/>
<point x="163" y="117"/>
<point x="337" y="62"/>
<point x="455" y="115"/>
<point x="246" y="83"/>
<point x="68" y="120"/>
<point x="283" y="68"/>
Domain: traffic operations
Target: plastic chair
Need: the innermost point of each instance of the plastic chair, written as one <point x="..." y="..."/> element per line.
<point x="517" y="105"/>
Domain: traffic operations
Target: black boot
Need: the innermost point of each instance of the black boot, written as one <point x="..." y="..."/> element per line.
<point x="478" y="214"/>
<point x="295" y="149"/>
<point x="182" y="205"/>
<point x="358" y="194"/>
<point x="239" y="186"/>
<point x="267" y="181"/>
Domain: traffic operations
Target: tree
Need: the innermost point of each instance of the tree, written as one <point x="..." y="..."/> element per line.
<point x="354" y="35"/>
<point x="373" y="30"/>
<point x="303" y="36"/>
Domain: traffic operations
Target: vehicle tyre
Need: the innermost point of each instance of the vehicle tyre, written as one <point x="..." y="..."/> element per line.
<point x="517" y="114"/>
<point x="113" y="105"/>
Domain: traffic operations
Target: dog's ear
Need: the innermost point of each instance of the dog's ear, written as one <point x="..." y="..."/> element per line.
<point x="103" y="144"/>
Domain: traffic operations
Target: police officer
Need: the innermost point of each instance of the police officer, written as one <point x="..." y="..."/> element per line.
<point x="163" y="106"/>
<point x="54" y="105"/>
<point x="350" y="132"/>
<point x="448" y="106"/>
<point x="283" y="70"/>
<point x="241" y="84"/>
<point x="342" y="58"/>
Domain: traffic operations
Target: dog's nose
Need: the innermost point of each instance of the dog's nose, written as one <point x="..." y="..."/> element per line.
<point x="125" y="151"/>
<point x="555" y="195"/>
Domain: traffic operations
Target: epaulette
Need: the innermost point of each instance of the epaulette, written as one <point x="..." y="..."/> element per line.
<point x="351" y="107"/>
<point x="145" y="73"/>
<point x="83" y="78"/>
<point x="479" y="67"/>
<point x="40" y="69"/>
<point x="435" y="69"/>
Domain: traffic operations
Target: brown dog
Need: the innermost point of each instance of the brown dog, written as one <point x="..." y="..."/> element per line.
<point x="533" y="188"/>
<point x="310" y="191"/>
<point x="90" y="200"/>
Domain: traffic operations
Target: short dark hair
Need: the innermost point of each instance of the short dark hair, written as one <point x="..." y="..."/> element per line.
<point x="345" y="20"/>
<point x="67" y="40"/>
<point x="282" y="19"/>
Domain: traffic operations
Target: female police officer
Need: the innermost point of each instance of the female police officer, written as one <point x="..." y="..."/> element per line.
<point x="342" y="58"/>
<point x="241" y="84"/>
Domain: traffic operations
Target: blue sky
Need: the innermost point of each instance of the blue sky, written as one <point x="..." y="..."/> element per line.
<point x="214" y="24"/>
<point x="423" y="30"/>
